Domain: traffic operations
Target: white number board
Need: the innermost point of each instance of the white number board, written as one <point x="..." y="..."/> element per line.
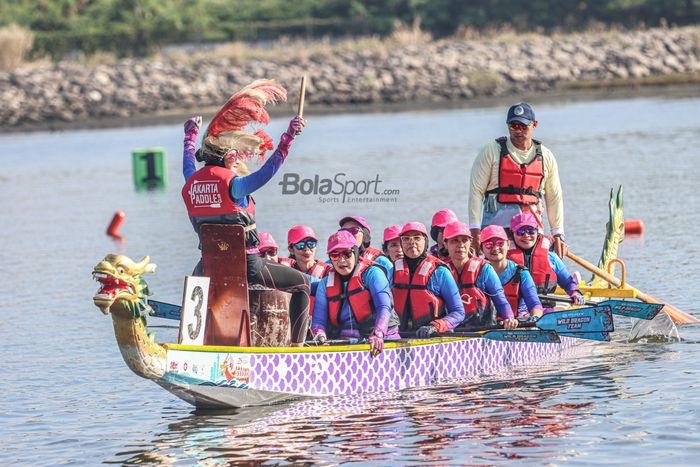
<point x="193" y="320"/>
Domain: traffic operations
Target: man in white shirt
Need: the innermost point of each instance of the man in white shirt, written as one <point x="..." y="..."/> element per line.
<point x="515" y="174"/>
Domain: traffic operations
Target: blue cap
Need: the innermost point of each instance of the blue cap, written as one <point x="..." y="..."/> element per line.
<point x="521" y="112"/>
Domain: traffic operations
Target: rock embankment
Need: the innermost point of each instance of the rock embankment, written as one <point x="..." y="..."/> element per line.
<point x="439" y="71"/>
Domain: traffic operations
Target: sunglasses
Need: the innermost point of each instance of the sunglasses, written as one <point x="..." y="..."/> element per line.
<point x="336" y="255"/>
<point x="411" y="238"/>
<point x="518" y="126"/>
<point x="310" y="244"/>
<point x="526" y="230"/>
<point x="353" y="230"/>
<point x="268" y="252"/>
<point x="488" y="244"/>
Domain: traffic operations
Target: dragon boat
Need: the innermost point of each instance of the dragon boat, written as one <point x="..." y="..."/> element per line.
<point x="245" y="359"/>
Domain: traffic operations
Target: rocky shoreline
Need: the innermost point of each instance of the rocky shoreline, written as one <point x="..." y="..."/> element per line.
<point x="454" y="71"/>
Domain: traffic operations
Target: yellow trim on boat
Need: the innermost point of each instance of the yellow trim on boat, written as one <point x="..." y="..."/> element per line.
<point x="320" y="348"/>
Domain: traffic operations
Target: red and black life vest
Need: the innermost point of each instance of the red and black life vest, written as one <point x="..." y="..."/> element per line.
<point x="539" y="266"/>
<point x="519" y="183"/>
<point x="473" y="298"/>
<point x="512" y="289"/>
<point x="208" y="200"/>
<point x="411" y="294"/>
<point x="356" y="293"/>
<point x="371" y="254"/>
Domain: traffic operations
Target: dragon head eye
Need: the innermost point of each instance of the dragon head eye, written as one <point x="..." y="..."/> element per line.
<point x="120" y="270"/>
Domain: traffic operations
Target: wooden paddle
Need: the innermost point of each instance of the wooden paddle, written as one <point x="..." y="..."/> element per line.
<point x="302" y="94"/>
<point x="678" y="316"/>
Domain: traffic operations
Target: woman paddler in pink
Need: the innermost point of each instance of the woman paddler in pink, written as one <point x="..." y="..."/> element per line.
<point x="229" y="185"/>
<point x="392" y="244"/>
<point x="354" y="300"/>
<point x="302" y="243"/>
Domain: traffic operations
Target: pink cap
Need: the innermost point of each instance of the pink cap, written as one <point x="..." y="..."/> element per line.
<point x="415" y="227"/>
<point x="359" y="219"/>
<point x="266" y="241"/>
<point x="456" y="229"/>
<point x="444" y="217"/>
<point x="299" y="233"/>
<point x="493" y="231"/>
<point x="525" y="218"/>
<point x="392" y="233"/>
<point x="342" y="239"/>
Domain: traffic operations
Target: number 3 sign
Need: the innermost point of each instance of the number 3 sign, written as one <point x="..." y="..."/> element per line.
<point x="194" y="310"/>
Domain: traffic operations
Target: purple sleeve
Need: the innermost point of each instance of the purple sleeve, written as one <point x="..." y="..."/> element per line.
<point x="246" y="185"/>
<point x="379" y="288"/>
<point x="319" y="319"/>
<point x="189" y="163"/>
<point x="564" y="279"/>
<point x="442" y="284"/>
<point x="528" y="292"/>
<point x="489" y="282"/>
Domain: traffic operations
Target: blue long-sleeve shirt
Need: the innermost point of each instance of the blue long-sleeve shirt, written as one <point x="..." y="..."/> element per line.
<point x="564" y="279"/>
<point x="528" y="299"/>
<point x="380" y="291"/>
<point x="241" y="186"/>
<point x="442" y="284"/>
<point x="490" y="284"/>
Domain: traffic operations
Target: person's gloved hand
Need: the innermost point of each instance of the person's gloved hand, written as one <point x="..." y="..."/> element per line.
<point x="296" y="126"/>
<point x="192" y="125"/>
<point x="320" y="338"/>
<point x="424" y="332"/>
<point x="376" y="343"/>
<point x="578" y="298"/>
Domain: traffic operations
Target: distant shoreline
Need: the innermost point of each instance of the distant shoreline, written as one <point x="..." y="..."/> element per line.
<point x="454" y="74"/>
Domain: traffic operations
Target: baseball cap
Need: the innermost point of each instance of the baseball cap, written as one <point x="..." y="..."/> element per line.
<point x="521" y="112"/>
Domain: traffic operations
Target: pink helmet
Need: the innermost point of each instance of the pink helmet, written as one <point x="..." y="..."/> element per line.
<point x="266" y="241"/>
<point x="443" y="217"/>
<point x="392" y="233"/>
<point x="299" y="233"/>
<point x="456" y="229"/>
<point x="359" y="219"/>
<point x="342" y="239"/>
<point x="414" y="226"/>
<point x="493" y="231"/>
<point x="525" y="218"/>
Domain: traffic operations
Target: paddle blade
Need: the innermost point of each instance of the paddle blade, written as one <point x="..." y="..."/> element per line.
<point x="594" y="336"/>
<point x="588" y="319"/>
<point x="637" y="310"/>
<point x="523" y="335"/>
<point x="164" y="310"/>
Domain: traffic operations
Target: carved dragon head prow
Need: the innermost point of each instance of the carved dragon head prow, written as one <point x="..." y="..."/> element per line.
<point x="121" y="284"/>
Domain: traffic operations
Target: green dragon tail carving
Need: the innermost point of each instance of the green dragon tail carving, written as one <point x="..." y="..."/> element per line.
<point x="615" y="234"/>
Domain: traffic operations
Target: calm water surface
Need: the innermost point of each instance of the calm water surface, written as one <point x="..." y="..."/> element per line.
<point x="68" y="397"/>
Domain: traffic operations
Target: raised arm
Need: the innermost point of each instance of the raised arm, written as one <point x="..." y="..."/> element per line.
<point x="189" y="165"/>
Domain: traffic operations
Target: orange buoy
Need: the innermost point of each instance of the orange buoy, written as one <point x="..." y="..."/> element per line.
<point x="117" y="221"/>
<point x="634" y="227"/>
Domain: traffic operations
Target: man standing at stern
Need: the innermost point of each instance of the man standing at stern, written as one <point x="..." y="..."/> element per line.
<point x="515" y="174"/>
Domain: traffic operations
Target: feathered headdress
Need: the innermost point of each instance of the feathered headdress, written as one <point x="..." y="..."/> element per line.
<point x="225" y="132"/>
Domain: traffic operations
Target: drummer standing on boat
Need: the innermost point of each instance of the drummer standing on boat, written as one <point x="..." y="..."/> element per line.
<point x="515" y="174"/>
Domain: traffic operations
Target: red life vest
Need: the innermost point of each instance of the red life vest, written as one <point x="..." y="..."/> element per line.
<point x="356" y="293"/>
<point x="424" y="305"/>
<point x="208" y="201"/>
<point x="319" y="269"/>
<point x="512" y="290"/>
<point x="519" y="183"/>
<point x="371" y="253"/>
<point x="286" y="261"/>
<point x="539" y="266"/>
<point x="473" y="298"/>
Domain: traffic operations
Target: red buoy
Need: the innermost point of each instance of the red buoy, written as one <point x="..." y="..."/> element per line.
<point x="634" y="227"/>
<point x="117" y="221"/>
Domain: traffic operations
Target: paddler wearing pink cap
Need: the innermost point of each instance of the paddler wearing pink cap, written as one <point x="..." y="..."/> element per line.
<point x="479" y="285"/>
<point x="359" y="228"/>
<point x="426" y="296"/>
<point x="302" y="242"/>
<point x="267" y="249"/>
<point x="517" y="283"/>
<point x="437" y="227"/>
<point x="392" y="244"/>
<point x="354" y="299"/>
<point x="534" y="251"/>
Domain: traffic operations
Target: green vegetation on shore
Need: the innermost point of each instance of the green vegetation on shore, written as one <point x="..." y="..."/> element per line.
<point x="140" y="27"/>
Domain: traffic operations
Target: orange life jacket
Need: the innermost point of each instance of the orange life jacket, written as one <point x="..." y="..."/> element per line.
<point x="411" y="294"/>
<point x="512" y="289"/>
<point x="539" y="266"/>
<point x="519" y="183"/>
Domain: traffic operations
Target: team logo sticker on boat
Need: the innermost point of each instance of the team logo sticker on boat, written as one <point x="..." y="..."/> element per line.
<point x="235" y="368"/>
